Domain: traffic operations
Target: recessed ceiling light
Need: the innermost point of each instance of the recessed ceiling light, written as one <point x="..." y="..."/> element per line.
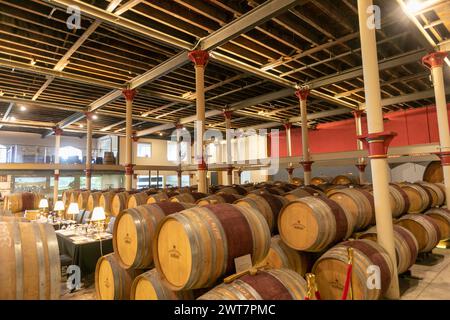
<point x="33" y="62"/>
<point x="23" y="108"/>
<point x="12" y="118"/>
<point x="94" y="117"/>
<point x="81" y="125"/>
<point x="413" y="6"/>
<point x="2" y="93"/>
<point x="160" y="133"/>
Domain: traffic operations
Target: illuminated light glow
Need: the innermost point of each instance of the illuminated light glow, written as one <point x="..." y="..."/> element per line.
<point x="81" y="126"/>
<point x="12" y="118"/>
<point x="414" y="6"/>
<point x="94" y="117"/>
<point x="23" y="108"/>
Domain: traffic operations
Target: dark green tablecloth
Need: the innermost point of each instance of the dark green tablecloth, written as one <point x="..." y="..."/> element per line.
<point x="84" y="255"/>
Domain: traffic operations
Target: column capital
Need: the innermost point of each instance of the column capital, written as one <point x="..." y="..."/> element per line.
<point x="129" y="94"/>
<point x="377" y="143"/>
<point x="88" y="173"/>
<point x="227" y="114"/>
<point x="287" y="125"/>
<point x="57" y="131"/>
<point x="179" y="173"/>
<point x="357" y="113"/>
<point x="199" y="57"/>
<point x="361" y="167"/>
<point x="445" y="157"/>
<point x="306" y="165"/>
<point x="202" y="165"/>
<point x="290" y="171"/>
<point x="179" y="126"/>
<point x="89" y="115"/>
<point x="302" y="93"/>
<point x="56" y="176"/>
<point x="134" y="136"/>
<point x="129" y="169"/>
<point x="230" y="170"/>
<point x="434" y="59"/>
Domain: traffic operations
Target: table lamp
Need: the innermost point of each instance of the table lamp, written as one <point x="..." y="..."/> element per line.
<point x="73" y="209"/>
<point x="59" y="208"/>
<point x="98" y="217"/>
<point x="43" y="205"/>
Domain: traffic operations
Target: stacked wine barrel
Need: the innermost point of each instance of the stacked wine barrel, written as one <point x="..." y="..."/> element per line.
<point x="171" y="244"/>
<point x="29" y="257"/>
<point x="19" y="202"/>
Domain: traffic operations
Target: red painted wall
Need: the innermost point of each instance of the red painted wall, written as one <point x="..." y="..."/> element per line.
<point x="414" y="126"/>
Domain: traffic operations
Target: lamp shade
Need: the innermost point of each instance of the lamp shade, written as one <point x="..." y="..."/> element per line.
<point x="73" y="208"/>
<point x="59" y="206"/>
<point x="43" y="203"/>
<point x="98" y="214"/>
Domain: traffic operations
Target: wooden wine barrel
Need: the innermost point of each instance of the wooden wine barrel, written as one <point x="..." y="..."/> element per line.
<point x="406" y="246"/>
<point x="281" y="256"/>
<point x="105" y="201"/>
<point x="93" y="200"/>
<point x="148" y="286"/>
<point x="441" y="217"/>
<point x="274" y="190"/>
<point x="271" y="284"/>
<point x="74" y="196"/>
<point x="29" y="260"/>
<point x="82" y="199"/>
<point x="437" y="195"/>
<point x="197" y="246"/>
<point x="268" y="205"/>
<point x="19" y="202"/>
<point x="320" y="180"/>
<point x="297" y="181"/>
<point x="119" y="203"/>
<point x="235" y="189"/>
<point x="109" y="158"/>
<point x="134" y="230"/>
<point x="419" y="197"/>
<point x="13" y="219"/>
<point x="424" y="228"/>
<point x="112" y="282"/>
<point x="331" y="270"/>
<point x="312" y="224"/>
<point x="66" y="197"/>
<point x="342" y="180"/>
<point x="441" y="186"/>
<point x="399" y="201"/>
<point x="159" y="197"/>
<point x="137" y="199"/>
<point x="433" y="172"/>
<point x="219" y="198"/>
<point x="296" y="194"/>
<point x="358" y="202"/>
<point x="192" y="197"/>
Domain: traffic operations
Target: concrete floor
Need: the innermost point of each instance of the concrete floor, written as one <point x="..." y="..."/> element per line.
<point x="433" y="282"/>
<point x="425" y="283"/>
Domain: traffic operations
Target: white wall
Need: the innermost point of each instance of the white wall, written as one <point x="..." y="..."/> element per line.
<point x="33" y="139"/>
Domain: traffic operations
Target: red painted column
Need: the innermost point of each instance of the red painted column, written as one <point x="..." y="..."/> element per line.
<point x="179" y="127"/>
<point x="129" y="95"/>
<point x="200" y="59"/>
<point x="229" y="159"/>
<point x="58" y="132"/>
<point x="289" y="169"/>
<point x="302" y="95"/>
<point x="361" y="163"/>
<point x="435" y="62"/>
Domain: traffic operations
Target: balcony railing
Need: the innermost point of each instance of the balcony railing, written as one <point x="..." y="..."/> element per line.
<point x="19" y="153"/>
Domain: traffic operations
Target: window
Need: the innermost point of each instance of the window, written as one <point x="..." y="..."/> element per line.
<point x="3" y="152"/>
<point x="172" y="151"/>
<point x="144" y="150"/>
